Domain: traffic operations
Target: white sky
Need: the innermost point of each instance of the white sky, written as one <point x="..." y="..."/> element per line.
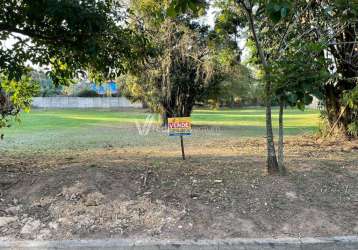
<point x="209" y="18"/>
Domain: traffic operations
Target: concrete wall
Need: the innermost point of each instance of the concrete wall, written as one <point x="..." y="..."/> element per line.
<point x="315" y="104"/>
<point x="83" y="102"/>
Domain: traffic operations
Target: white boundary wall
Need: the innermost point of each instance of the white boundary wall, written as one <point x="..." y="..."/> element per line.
<point x="315" y="104"/>
<point x="83" y="102"/>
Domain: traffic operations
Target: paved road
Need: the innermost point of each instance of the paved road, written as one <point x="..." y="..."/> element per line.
<point x="334" y="243"/>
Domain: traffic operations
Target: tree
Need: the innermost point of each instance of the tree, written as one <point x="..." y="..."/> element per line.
<point x="246" y="8"/>
<point x="334" y="23"/>
<point x="184" y="68"/>
<point x="272" y="25"/>
<point x="268" y="14"/>
<point x="232" y="88"/>
<point x="179" y="75"/>
<point x="236" y="85"/>
<point x="67" y="36"/>
<point x="296" y="80"/>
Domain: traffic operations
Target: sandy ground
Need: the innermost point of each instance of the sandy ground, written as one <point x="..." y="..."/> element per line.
<point x="221" y="191"/>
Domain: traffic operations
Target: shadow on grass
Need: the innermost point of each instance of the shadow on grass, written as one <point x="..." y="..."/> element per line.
<point x="127" y="136"/>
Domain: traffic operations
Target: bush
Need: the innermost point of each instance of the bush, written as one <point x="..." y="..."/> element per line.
<point x="87" y="93"/>
<point x="353" y="129"/>
<point x="48" y="92"/>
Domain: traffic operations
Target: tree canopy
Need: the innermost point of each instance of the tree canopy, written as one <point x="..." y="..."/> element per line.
<point x="283" y="33"/>
<point x="66" y="37"/>
<point x="190" y="63"/>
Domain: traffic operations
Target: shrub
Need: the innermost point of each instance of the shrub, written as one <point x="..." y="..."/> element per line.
<point x="87" y="93"/>
<point x="47" y="92"/>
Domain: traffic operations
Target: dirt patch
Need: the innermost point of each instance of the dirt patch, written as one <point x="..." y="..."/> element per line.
<point x="221" y="191"/>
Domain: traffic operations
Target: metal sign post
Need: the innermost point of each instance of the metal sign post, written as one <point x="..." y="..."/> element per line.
<point x="182" y="147"/>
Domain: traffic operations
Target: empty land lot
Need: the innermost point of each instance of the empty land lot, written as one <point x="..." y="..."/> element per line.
<point x="67" y="174"/>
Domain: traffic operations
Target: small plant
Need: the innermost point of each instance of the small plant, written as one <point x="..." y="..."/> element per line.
<point x="353" y="129"/>
<point x="351" y="100"/>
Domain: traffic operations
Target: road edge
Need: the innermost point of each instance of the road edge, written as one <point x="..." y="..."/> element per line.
<point x="336" y="243"/>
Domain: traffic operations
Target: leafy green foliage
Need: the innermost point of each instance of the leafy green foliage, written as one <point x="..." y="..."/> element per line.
<point x="337" y="24"/>
<point x="67" y="36"/>
<point x="192" y="65"/>
<point x="184" y="65"/>
<point x="350" y="98"/>
<point x="278" y="9"/>
<point x="173" y="80"/>
<point x="182" y="6"/>
<point x="295" y="79"/>
<point x="77" y="34"/>
<point x="353" y="128"/>
<point x="15" y="96"/>
<point x="234" y="86"/>
<point x="47" y="87"/>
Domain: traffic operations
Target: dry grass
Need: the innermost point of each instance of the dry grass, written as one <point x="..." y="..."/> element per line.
<point x="221" y="191"/>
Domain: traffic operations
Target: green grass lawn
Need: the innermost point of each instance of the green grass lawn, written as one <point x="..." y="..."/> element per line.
<point x="86" y="127"/>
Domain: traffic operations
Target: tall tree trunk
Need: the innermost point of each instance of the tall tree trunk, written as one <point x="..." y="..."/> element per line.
<point x="332" y="104"/>
<point x="272" y="164"/>
<point x="2" y="108"/>
<point x="164" y="116"/>
<point x="280" y="140"/>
